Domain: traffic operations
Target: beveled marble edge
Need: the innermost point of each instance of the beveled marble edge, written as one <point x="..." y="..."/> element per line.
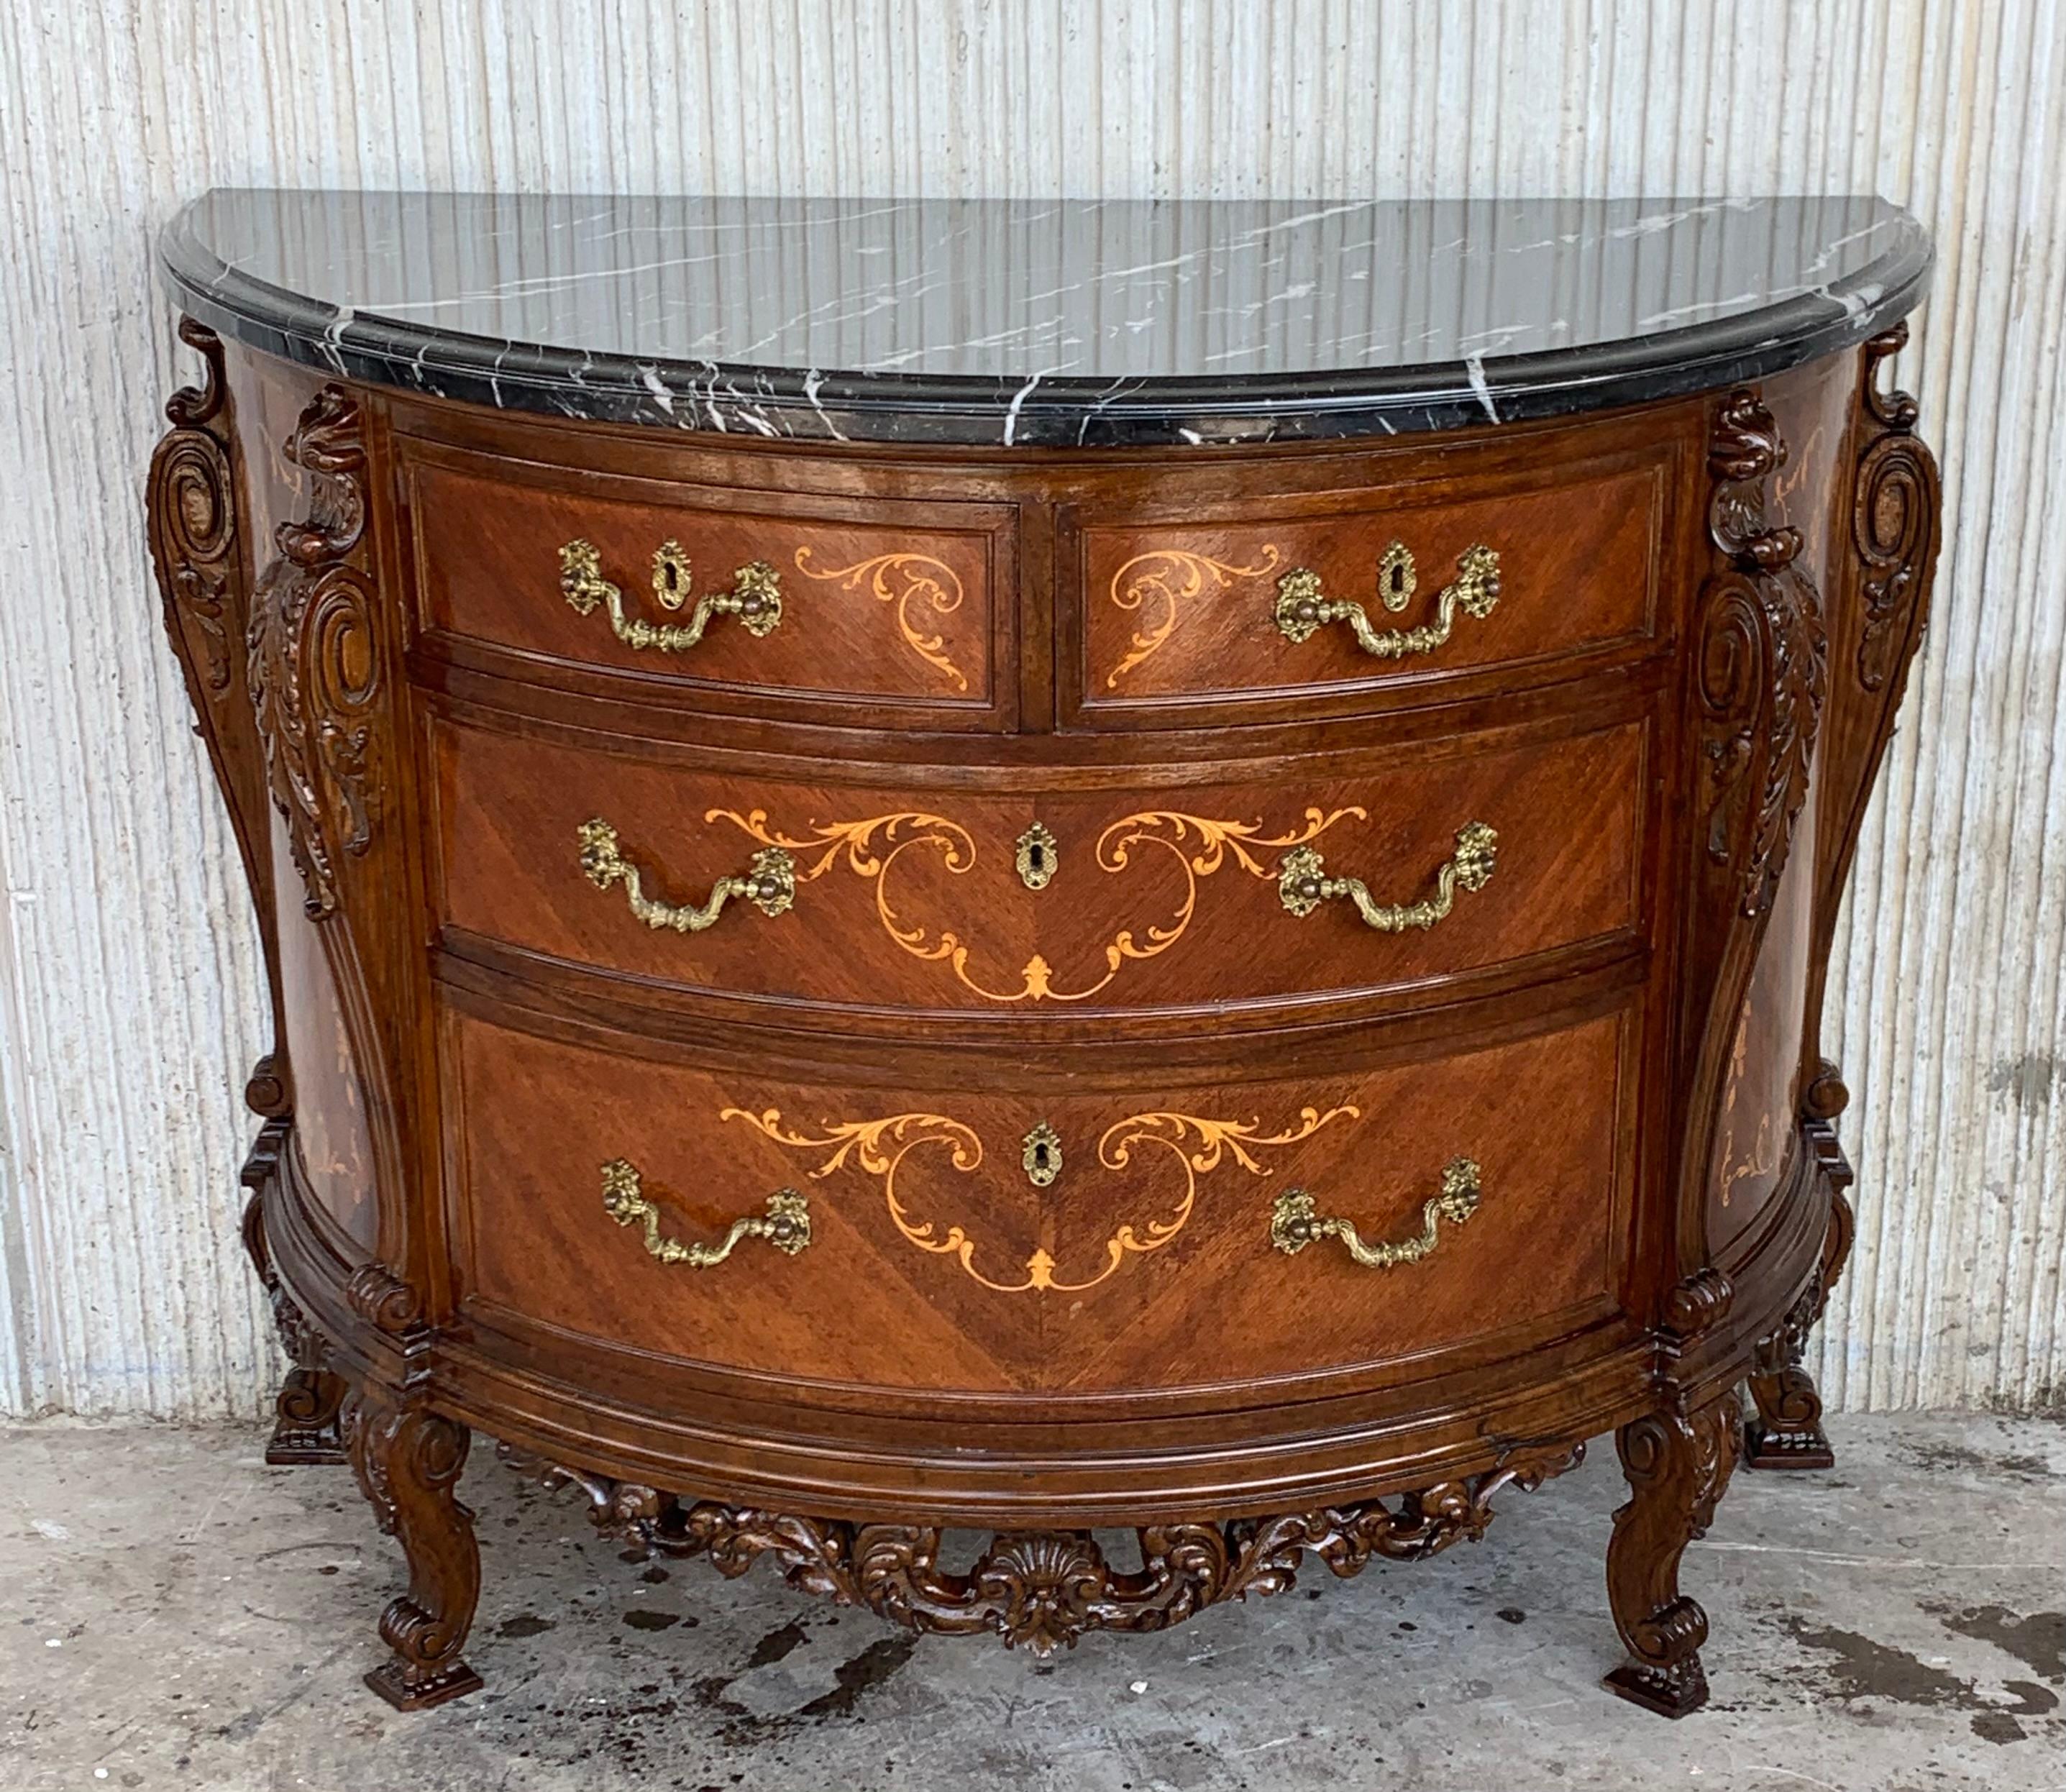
<point x="1043" y="410"/>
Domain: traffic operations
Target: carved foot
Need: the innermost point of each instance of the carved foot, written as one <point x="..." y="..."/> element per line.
<point x="1787" y="1433"/>
<point x="308" y="1429"/>
<point x="407" y="1461"/>
<point x="1677" y="1464"/>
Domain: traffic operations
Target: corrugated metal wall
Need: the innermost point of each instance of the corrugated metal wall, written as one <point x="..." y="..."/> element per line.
<point x="129" y="985"/>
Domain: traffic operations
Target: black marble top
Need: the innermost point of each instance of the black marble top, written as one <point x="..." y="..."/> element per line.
<point x="1026" y="323"/>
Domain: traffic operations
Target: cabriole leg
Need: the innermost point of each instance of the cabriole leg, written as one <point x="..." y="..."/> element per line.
<point x="1678" y="1463"/>
<point x="408" y="1461"/>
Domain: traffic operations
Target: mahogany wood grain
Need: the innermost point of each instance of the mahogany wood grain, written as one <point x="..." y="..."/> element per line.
<point x="1672" y="717"/>
<point x="1183" y="607"/>
<point x="903" y="609"/>
<point x="1161" y="896"/>
<point x="936" y="1262"/>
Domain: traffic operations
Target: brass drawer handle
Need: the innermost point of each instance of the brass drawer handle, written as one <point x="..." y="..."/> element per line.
<point x="1295" y="1223"/>
<point x="786" y="1225"/>
<point x="1302" y="884"/>
<point x="755" y="597"/>
<point x="1300" y="610"/>
<point x="769" y="884"/>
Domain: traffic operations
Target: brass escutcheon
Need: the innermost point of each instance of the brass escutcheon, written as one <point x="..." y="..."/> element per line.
<point x="1043" y="1156"/>
<point x="1039" y="855"/>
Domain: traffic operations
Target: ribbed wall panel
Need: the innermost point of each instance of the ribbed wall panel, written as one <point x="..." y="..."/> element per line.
<point x="130" y="985"/>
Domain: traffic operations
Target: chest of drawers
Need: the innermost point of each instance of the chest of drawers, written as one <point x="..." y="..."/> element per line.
<point x="864" y="938"/>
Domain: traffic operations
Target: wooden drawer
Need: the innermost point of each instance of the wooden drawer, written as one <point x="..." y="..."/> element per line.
<point x="1247" y="607"/>
<point x="885" y="608"/>
<point x="1169" y="896"/>
<point x="936" y="1257"/>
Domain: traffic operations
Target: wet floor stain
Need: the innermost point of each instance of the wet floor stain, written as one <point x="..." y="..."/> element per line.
<point x="1858" y="1667"/>
<point x="2038" y="1641"/>
<point x="526" y="1624"/>
<point x="853" y="1679"/>
<point x="1950" y="1459"/>
<point x="774" y="1645"/>
<point x="865" y="1672"/>
<point x="643" y="1619"/>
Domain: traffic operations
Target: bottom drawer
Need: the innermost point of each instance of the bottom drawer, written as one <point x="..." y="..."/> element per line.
<point x="1163" y="1238"/>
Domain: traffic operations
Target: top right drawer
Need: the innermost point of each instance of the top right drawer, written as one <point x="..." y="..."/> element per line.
<point x="1199" y="608"/>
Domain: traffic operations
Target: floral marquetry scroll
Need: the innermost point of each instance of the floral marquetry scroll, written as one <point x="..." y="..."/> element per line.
<point x="1159" y="584"/>
<point x="904" y="582"/>
<point x="1198" y="1145"/>
<point x="1199" y="845"/>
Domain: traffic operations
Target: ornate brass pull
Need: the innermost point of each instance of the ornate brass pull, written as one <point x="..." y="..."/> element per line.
<point x="1301" y="608"/>
<point x="755" y="597"/>
<point x="1294" y="1222"/>
<point x="786" y="1225"/>
<point x="769" y="885"/>
<point x="1302" y="884"/>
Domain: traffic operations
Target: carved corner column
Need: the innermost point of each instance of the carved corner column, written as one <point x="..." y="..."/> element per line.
<point x="1894" y="533"/>
<point x="1678" y="1463"/>
<point x="408" y="1460"/>
<point x="201" y="551"/>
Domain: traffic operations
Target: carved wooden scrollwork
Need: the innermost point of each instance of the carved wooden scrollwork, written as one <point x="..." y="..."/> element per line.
<point x="1763" y="661"/>
<point x="1893" y="521"/>
<point x="1045" y="1589"/>
<point x="306" y="1428"/>
<point x="199" y="552"/>
<point x="1678" y="1463"/>
<point x="407" y="1461"/>
<point x="313" y="668"/>
<point x="193" y="505"/>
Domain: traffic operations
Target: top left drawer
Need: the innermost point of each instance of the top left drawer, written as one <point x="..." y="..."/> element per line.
<point x="863" y="609"/>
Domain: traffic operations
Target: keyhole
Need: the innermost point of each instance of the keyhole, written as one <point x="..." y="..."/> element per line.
<point x="1395" y="577"/>
<point x="670" y="575"/>
<point x="1038" y="856"/>
<point x="1043" y="1157"/>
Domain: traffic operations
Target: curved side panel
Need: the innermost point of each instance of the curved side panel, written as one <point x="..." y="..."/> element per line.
<point x="332" y="1134"/>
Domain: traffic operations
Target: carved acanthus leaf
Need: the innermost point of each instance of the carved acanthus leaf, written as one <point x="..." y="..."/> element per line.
<point x="1762" y="664"/>
<point x="312" y="664"/>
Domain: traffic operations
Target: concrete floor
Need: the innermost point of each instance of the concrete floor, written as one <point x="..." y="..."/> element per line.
<point x="173" y="1613"/>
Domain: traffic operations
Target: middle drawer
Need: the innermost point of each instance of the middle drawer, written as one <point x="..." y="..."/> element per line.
<point x="1440" y="870"/>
